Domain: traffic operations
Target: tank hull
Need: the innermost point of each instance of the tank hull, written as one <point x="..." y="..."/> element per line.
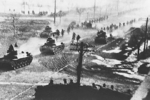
<point x="51" y="50"/>
<point x="44" y="35"/>
<point x="100" y="40"/>
<point x="7" y="64"/>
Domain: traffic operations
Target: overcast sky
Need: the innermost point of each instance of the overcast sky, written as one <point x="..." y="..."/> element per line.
<point x="84" y="3"/>
<point x="62" y="4"/>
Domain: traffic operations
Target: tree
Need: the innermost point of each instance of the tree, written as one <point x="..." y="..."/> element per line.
<point x="24" y="5"/>
<point x="94" y="8"/>
<point x="13" y="20"/>
<point x="33" y="12"/>
<point x="60" y="14"/>
<point x="80" y="11"/>
<point x="55" y="12"/>
<point x="40" y="6"/>
<point x="4" y="3"/>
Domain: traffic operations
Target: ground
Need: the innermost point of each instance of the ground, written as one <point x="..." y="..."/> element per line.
<point x="20" y="84"/>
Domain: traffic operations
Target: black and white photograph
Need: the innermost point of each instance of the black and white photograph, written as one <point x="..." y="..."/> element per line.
<point x="74" y="49"/>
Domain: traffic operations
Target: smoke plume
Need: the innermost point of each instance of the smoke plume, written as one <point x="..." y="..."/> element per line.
<point x="32" y="46"/>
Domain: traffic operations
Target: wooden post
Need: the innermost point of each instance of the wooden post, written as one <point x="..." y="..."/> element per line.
<point x="87" y="16"/>
<point x="55" y="12"/>
<point x="94" y="8"/>
<point x="79" y="67"/>
<point x="117" y="7"/>
<point x="145" y="37"/>
<point x="82" y="49"/>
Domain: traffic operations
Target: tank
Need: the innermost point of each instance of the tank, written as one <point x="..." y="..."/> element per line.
<point x="14" y="60"/>
<point x="46" y="33"/>
<point x="101" y="37"/>
<point x="50" y="47"/>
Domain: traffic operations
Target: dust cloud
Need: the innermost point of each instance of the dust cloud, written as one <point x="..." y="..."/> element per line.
<point x="32" y="45"/>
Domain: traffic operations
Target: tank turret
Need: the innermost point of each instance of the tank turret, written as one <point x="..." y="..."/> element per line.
<point x="14" y="60"/>
<point x="50" y="47"/>
<point x="46" y="33"/>
<point x="101" y="37"/>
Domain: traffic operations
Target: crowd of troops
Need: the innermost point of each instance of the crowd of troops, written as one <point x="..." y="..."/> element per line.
<point x="90" y="23"/>
<point x="75" y="37"/>
<point x="96" y="20"/>
<point x="115" y="26"/>
<point x="58" y="33"/>
<point x="48" y="30"/>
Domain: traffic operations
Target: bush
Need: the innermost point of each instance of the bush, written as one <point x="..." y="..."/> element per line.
<point x="24" y="28"/>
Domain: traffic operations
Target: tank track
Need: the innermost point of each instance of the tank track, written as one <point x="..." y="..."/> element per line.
<point x="6" y="64"/>
<point x="58" y="49"/>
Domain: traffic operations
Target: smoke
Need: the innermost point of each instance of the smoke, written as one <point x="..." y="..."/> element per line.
<point x="32" y="46"/>
<point x="120" y="32"/>
<point x="139" y="24"/>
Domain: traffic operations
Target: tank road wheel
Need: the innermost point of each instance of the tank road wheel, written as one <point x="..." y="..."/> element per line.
<point x="24" y="63"/>
<point x="13" y="66"/>
<point x="28" y="62"/>
<point x="20" y="65"/>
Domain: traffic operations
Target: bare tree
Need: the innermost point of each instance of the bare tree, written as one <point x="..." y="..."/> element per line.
<point x="80" y="11"/>
<point x="40" y="6"/>
<point x="4" y="3"/>
<point x="94" y="8"/>
<point x="24" y="5"/>
<point x="12" y="19"/>
<point x="60" y="14"/>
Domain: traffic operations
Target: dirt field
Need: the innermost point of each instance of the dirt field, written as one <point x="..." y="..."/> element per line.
<point x="20" y="84"/>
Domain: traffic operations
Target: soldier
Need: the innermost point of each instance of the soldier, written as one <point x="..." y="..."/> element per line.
<point x="11" y="49"/>
<point x="65" y="81"/>
<point x="62" y="32"/>
<point x="48" y="29"/>
<point x="72" y="27"/>
<point x="63" y="45"/>
<point x="16" y="44"/>
<point x="111" y="35"/>
<point x="71" y="82"/>
<point x="123" y="24"/>
<point x="51" y="82"/>
<point x="73" y="37"/>
<point x="78" y="38"/>
<point x="57" y="32"/>
<point x="68" y="29"/>
<point x="112" y="87"/>
<point x="119" y="24"/>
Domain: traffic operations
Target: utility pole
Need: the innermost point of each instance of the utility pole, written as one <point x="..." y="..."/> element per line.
<point x="87" y="16"/>
<point x="79" y="67"/>
<point x="82" y="48"/>
<point x="54" y="11"/>
<point x="145" y="37"/>
<point x="117" y="6"/>
<point x="94" y="8"/>
<point x="100" y="11"/>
